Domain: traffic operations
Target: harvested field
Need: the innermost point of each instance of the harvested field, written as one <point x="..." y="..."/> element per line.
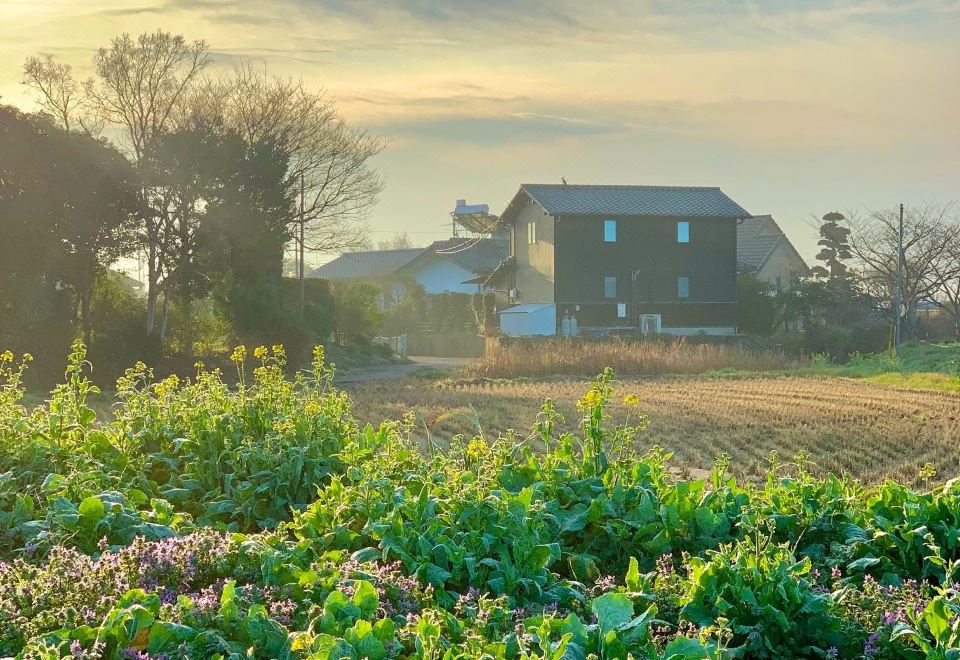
<point x="863" y="429"/>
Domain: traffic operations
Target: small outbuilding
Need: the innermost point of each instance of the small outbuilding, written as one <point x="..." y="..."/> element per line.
<point x="529" y="319"/>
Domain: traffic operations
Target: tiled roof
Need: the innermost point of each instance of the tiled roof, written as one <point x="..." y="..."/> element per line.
<point x="753" y="252"/>
<point x="757" y="238"/>
<point x="479" y="256"/>
<point x="634" y="200"/>
<point x="370" y="264"/>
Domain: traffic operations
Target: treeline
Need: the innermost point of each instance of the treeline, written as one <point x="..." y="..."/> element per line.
<point x="202" y="178"/>
<point x="852" y="297"/>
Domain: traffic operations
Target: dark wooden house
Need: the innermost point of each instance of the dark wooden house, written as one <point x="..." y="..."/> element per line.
<point x="647" y="258"/>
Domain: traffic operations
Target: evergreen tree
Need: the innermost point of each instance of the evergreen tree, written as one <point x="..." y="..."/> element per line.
<point x="834" y="248"/>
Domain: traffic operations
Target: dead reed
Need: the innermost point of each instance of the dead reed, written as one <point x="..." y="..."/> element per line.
<point x="577" y="357"/>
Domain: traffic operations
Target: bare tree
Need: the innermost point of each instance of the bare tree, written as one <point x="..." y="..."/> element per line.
<point x="328" y="157"/>
<point x="400" y="241"/>
<point x="153" y="85"/>
<point x="59" y="93"/>
<point x="140" y="85"/>
<point x="947" y="276"/>
<point x="928" y="235"/>
<point x="329" y="162"/>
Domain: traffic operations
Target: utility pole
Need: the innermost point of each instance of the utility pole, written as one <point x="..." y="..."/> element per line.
<point x="300" y="249"/>
<point x="899" y="294"/>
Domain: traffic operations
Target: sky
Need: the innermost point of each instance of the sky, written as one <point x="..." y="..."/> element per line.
<point x="793" y="107"/>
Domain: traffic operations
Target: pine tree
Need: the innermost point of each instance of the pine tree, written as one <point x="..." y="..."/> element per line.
<point x="834" y="248"/>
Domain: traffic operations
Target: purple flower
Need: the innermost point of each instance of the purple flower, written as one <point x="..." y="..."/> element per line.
<point x="665" y="565"/>
<point x="605" y="583"/>
<point x="890" y="618"/>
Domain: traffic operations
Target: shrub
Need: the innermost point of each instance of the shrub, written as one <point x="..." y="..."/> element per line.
<point x="358" y="313"/>
<point x="260" y="521"/>
<point x="765" y="594"/>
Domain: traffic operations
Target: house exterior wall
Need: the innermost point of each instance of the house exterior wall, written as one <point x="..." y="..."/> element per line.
<point x="768" y="227"/>
<point x="442" y="276"/>
<point x="781" y="268"/>
<point x="647" y="260"/>
<point x="535" y="274"/>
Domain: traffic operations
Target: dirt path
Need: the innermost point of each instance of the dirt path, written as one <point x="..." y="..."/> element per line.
<point x="399" y="371"/>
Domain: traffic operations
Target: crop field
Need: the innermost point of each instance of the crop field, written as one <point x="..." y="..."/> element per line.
<point x="845" y="426"/>
<point x="203" y="520"/>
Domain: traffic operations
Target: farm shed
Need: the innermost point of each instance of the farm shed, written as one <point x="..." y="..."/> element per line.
<point x="529" y="319"/>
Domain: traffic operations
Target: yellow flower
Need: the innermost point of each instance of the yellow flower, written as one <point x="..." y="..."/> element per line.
<point x="278" y="350"/>
<point x="927" y="471"/>
<point x="632" y="400"/>
<point x="285" y="426"/>
<point x="6" y="356"/>
<point x="260" y="352"/>
<point x="589" y="400"/>
<point x="476" y="448"/>
<point x="27" y="357"/>
<point x="167" y="385"/>
<point x="318" y="353"/>
<point x="239" y="354"/>
<point x="312" y="409"/>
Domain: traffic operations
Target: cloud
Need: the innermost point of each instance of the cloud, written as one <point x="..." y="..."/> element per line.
<point x="462" y="13"/>
<point x="793" y="103"/>
<point x="497" y="130"/>
<point x="137" y="10"/>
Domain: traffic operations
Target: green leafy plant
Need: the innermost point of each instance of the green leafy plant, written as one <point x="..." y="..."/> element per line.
<point x="260" y="520"/>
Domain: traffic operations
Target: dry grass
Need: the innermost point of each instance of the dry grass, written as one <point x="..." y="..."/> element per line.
<point x="856" y="427"/>
<point x="576" y="357"/>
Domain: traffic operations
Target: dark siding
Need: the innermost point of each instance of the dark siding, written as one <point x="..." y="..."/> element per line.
<point x="649" y="246"/>
<point x="674" y="315"/>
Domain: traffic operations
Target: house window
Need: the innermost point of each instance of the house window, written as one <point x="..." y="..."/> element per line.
<point x="609" y="231"/>
<point x="621" y="310"/>
<point x="609" y="287"/>
<point x="531" y="232"/>
<point x="683" y="231"/>
<point x="683" y="287"/>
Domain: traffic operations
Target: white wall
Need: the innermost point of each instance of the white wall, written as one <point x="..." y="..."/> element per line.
<point x="539" y="320"/>
<point x="442" y="276"/>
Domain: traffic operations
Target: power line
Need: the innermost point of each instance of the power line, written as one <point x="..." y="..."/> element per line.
<point x="391" y="231"/>
<point x="463" y="248"/>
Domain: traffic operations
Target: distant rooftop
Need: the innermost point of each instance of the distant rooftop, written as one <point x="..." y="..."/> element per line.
<point x="757" y="238"/>
<point x="369" y="264"/>
<point x="475" y="255"/>
<point x="579" y="199"/>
